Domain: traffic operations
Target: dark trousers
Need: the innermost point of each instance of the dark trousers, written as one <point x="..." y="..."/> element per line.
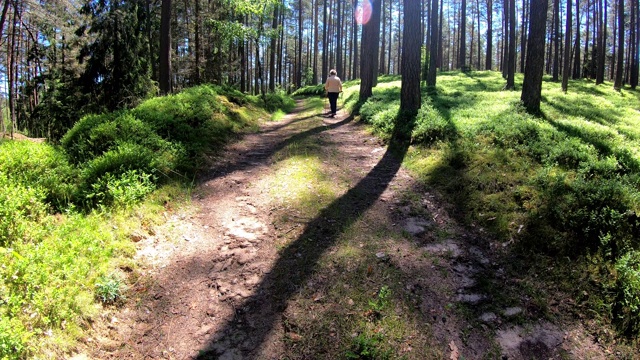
<point x="333" y="101"/>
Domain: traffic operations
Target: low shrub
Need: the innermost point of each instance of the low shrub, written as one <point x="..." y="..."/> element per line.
<point x="379" y="102"/>
<point x="121" y="190"/>
<point x="13" y="338"/>
<point x="49" y="283"/>
<point x="310" y="90"/>
<point x="430" y="126"/>
<point x="39" y="166"/>
<point x="195" y="119"/>
<point x="593" y="213"/>
<point x="19" y="207"/>
<point x="627" y="311"/>
<point x="278" y="101"/>
<point x="124" y="160"/>
<point x="384" y="121"/>
<point x="78" y="142"/>
<point x="570" y="153"/>
<point x="94" y="135"/>
<point x="109" y="289"/>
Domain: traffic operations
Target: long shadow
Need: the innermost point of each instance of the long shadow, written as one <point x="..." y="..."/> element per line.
<point x="604" y="145"/>
<point x="582" y="108"/>
<point x="263" y="156"/>
<point x="289" y="123"/>
<point x="259" y="314"/>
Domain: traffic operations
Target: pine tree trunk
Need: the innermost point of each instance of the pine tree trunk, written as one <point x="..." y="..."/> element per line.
<point x="440" y="57"/>
<point x="463" y="36"/>
<point x="488" y="62"/>
<point x="523" y="34"/>
<point x="165" y="48"/>
<point x="620" y="67"/>
<point x="633" y="41"/>
<point x="576" y="46"/>
<point x="339" y="65"/>
<point x="532" y="84"/>
<point x="315" y="42"/>
<point x="390" y="45"/>
<point x="325" y="52"/>
<point x="411" y="45"/>
<point x="504" y="58"/>
<point x="567" y="49"/>
<point x="3" y="17"/>
<point x="272" y="49"/>
<point x="435" y="40"/>
<point x="601" y="43"/>
<point x="556" y="40"/>
<point x="381" y="62"/>
<point x="369" y="61"/>
<point x="479" y="37"/>
<point x="511" y="65"/>
<point x="298" y="76"/>
<point x="11" y="62"/>
<point x="612" y="67"/>
<point x="356" y="61"/>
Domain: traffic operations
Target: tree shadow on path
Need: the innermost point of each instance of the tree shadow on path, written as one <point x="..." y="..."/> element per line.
<point x="257" y="156"/>
<point x="247" y="333"/>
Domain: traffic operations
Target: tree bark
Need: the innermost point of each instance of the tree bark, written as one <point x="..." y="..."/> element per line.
<point x="601" y="43"/>
<point x="298" y="76"/>
<point x="272" y="52"/>
<point x="165" y="48"/>
<point x="479" y="37"/>
<point x="567" y="49"/>
<point x="614" y="34"/>
<point x="511" y="64"/>
<point x="440" y="57"/>
<point x="390" y="42"/>
<point x="556" y="40"/>
<point x="196" y="65"/>
<point x="620" y="67"/>
<point x="523" y="35"/>
<point x="435" y="40"/>
<point x="381" y="62"/>
<point x="339" y="65"/>
<point x="11" y="70"/>
<point x="315" y="42"/>
<point x="356" y="61"/>
<point x="488" y="61"/>
<point x="463" y="36"/>
<point x="3" y="17"/>
<point x="411" y="44"/>
<point x="504" y="57"/>
<point x="325" y="45"/>
<point x="532" y="84"/>
<point x="368" y="63"/>
<point x="576" y="46"/>
<point x="633" y="76"/>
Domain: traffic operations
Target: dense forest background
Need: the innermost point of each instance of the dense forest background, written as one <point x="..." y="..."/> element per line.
<point x="62" y="59"/>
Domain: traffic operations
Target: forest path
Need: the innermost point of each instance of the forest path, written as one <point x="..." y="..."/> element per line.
<point x="294" y="235"/>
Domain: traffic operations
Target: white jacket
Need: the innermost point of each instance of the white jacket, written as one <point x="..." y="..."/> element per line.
<point x="333" y="84"/>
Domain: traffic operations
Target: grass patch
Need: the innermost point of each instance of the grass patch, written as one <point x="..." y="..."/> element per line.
<point x="561" y="185"/>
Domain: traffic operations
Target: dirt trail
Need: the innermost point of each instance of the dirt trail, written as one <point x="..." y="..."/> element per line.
<point x="218" y="281"/>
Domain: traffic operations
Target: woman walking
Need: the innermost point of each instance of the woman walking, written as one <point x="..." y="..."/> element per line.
<point x="333" y="87"/>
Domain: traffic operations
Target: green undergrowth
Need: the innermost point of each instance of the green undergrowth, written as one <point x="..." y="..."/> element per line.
<point x="562" y="185"/>
<point x="68" y="210"/>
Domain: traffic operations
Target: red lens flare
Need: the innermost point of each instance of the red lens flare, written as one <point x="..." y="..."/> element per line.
<point x="363" y="12"/>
